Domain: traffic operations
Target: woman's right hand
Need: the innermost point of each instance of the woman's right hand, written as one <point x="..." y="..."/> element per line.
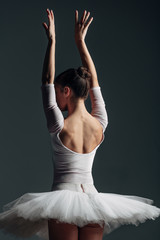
<point x="81" y="27"/>
<point x="50" y="28"/>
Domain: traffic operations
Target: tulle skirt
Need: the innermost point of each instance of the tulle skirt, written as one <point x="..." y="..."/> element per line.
<point x="75" y="204"/>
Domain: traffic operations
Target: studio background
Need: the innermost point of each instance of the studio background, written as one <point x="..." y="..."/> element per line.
<point x="123" y="40"/>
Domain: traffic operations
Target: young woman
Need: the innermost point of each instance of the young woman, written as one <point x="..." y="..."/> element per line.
<point x="73" y="209"/>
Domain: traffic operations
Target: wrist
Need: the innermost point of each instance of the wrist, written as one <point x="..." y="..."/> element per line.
<point x="52" y="39"/>
<point x="80" y="42"/>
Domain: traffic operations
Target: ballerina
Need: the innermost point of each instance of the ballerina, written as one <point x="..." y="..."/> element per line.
<point x="74" y="209"/>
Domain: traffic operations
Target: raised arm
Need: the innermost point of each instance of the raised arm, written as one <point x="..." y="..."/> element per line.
<point x="48" y="72"/>
<point x="97" y="101"/>
<point x="54" y="116"/>
<point x="80" y="33"/>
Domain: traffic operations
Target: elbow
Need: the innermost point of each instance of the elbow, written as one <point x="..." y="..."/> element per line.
<point x="44" y="80"/>
<point x="105" y="122"/>
<point x="47" y="79"/>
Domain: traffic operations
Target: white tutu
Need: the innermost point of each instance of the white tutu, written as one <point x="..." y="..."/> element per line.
<point x="27" y="215"/>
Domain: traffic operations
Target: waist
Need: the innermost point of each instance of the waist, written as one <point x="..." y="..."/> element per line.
<point x="73" y="177"/>
<point x="78" y="187"/>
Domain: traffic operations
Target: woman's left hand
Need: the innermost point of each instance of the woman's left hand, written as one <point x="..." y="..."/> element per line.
<point x="50" y="29"/>
<point x="81" y="27"/>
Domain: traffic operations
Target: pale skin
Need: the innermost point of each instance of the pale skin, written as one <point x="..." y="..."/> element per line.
<point x="81" y="132"/>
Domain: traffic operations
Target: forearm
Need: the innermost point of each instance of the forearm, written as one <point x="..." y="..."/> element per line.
<point x="87" y="62"/>
<point x="48" y="72"/>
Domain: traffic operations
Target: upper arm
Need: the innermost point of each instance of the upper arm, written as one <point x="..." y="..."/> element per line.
<point x="54" y="116"/>
<point x="98" y="106"/>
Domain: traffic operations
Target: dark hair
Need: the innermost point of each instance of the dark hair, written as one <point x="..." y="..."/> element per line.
<point x="77" y="79"/>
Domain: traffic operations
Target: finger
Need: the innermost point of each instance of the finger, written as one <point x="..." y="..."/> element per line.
<point x="86" y="17"/>
<point x="87" y="25"/>
<point x="49" y="13"/>
<point x="48" y="10"/>
<point x="83" y="16"/>
<point x="76" y="16"/>
<point x="49" y="16"/>
<point x="52" y="15"/>
<point x="45" y="26"/>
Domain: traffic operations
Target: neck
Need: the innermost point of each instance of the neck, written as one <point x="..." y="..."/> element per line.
<point x="77" y="106"/>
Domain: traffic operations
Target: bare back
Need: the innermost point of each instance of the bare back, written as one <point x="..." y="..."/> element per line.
<point x="81" y="134"/>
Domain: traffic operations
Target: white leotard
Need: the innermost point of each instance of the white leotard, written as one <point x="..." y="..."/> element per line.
<point x="70" y="166"/>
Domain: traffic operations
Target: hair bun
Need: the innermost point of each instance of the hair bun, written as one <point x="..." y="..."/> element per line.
<point x="83" y="72"/>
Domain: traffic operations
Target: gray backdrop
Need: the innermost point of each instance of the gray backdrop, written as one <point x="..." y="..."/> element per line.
<point x="123" y="41"/>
